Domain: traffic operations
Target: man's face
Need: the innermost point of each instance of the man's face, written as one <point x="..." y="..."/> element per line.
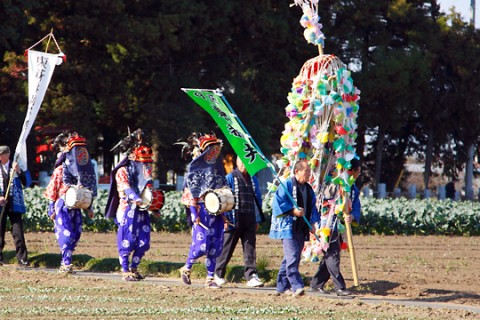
<point x="303" y="175"/>
<point x="4" y="158"/>
<point x="357" y="172"/>
<point x="241" y="166"/>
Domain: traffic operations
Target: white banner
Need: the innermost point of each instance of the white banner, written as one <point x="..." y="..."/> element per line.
<point x="40" y="70"/>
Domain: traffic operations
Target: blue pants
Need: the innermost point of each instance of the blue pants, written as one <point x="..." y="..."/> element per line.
<point x="288" y="275"/>
<point x="206" y="242"/>
<point x="133" y="236"/>
<point x="68" y="229"/>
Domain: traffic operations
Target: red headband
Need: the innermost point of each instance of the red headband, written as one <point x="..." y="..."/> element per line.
<point x="143" y="154"/>
<point x="206" y="140"/>
<point x="75" y="142"/>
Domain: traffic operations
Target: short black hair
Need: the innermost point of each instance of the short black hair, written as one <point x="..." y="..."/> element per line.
<point x="356" y="163"/>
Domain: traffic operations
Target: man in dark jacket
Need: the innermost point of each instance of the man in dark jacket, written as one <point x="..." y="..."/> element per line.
<point x="13" y="204"/>
<point x="242" y="224"/>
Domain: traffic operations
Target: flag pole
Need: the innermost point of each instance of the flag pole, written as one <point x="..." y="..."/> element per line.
<point x="7" y="192"/>
<point x="269" y="163"/>
<point x="42" y="78"/>
<point x="49" y="38"/>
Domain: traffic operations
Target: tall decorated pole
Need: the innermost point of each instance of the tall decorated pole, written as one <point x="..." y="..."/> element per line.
<point x="322" y="111"/>
<point x="40" y="70"/>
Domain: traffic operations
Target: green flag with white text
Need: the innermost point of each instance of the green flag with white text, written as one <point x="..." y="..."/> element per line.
<point x="242" y="143"/>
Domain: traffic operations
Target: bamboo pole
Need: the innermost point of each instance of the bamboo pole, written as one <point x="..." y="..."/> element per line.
<point x="320" y="50"/>
<point x="398" y="179"/>
<point x="49" y="38"/>
<point x="352" y="253"/>
<point x="7" y="192"/>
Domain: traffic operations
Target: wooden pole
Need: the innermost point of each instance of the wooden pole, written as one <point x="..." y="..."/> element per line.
<point x="320" y="50"/>
<point x="7" y="192"/>
<point x="48" y="41"/>
<point x="398" y="179"/>
<point x="352" y="254"/>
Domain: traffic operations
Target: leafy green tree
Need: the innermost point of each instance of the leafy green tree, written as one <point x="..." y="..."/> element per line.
<point x="464" y="41"/>
<point x="128" y="59"/>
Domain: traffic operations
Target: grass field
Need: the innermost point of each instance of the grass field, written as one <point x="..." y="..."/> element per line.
<point x="440" y="270"/>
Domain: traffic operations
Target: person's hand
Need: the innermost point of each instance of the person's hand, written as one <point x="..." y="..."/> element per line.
<point x="347" y="207"/>
<point x="52" y="217"/>
<point x="197" y="220"/>
<point x="298" y="212"/>
<point x="314" y="229"/>
<point x="257" y="227"/>
<point x="348" y="218"/>
<point x="90" y="213"/>
<point x="2" y="201"/>
<point x="15" y="167"/>
<point x="138" y="202"/>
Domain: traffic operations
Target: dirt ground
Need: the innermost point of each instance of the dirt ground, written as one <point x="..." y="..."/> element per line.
<point x="431" y="269"/>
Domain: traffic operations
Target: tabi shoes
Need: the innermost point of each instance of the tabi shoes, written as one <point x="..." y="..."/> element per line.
<point x="254" y="282"/>
<point x="185" y="275"/>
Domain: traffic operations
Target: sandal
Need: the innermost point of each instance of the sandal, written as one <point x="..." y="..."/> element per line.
<point x="129" y="276"/>
<point x="185" y="275"/>
<point x="67" y="269"/>
<point x="137" y="275"/>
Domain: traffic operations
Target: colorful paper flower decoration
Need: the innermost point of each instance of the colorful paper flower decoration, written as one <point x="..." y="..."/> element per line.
<point x="310" y="20"/>
<point x="322" y="115"/>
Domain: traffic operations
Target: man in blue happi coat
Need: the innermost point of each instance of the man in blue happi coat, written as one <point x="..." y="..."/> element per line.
<point x="289" y="225"/>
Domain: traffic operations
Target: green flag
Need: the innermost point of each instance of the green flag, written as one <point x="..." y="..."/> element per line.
<point x="211" y="101"/>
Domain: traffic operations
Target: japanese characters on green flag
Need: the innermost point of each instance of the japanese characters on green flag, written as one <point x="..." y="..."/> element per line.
<point x="211" y="101"/>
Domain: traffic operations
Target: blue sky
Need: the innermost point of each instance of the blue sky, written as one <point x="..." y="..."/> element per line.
<point x="461" y="6"/>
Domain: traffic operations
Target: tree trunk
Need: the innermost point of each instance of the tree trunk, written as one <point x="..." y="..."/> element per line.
<point x="469" y="173"/>
<point x="378" y="156"/>
<point x="428" y="160"/>
<point x="360" y="141"/>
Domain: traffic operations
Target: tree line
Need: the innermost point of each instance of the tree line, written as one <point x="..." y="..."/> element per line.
<point x="417" y="69"/>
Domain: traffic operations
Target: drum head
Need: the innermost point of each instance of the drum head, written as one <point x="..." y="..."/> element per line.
<point x="71" y="197"/>
<point x="146" y="197"/>
<point x="212" y="202"/>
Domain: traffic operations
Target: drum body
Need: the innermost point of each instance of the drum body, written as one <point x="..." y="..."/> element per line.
<point x="219" y="201"/>
<point x="78" y="198"/>
<point x="152" y="200"/>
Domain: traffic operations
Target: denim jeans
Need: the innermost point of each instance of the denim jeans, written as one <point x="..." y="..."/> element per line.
<point x="288" y="275"/>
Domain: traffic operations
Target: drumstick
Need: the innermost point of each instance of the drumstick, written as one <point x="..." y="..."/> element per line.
<point x="203" y="226"/>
